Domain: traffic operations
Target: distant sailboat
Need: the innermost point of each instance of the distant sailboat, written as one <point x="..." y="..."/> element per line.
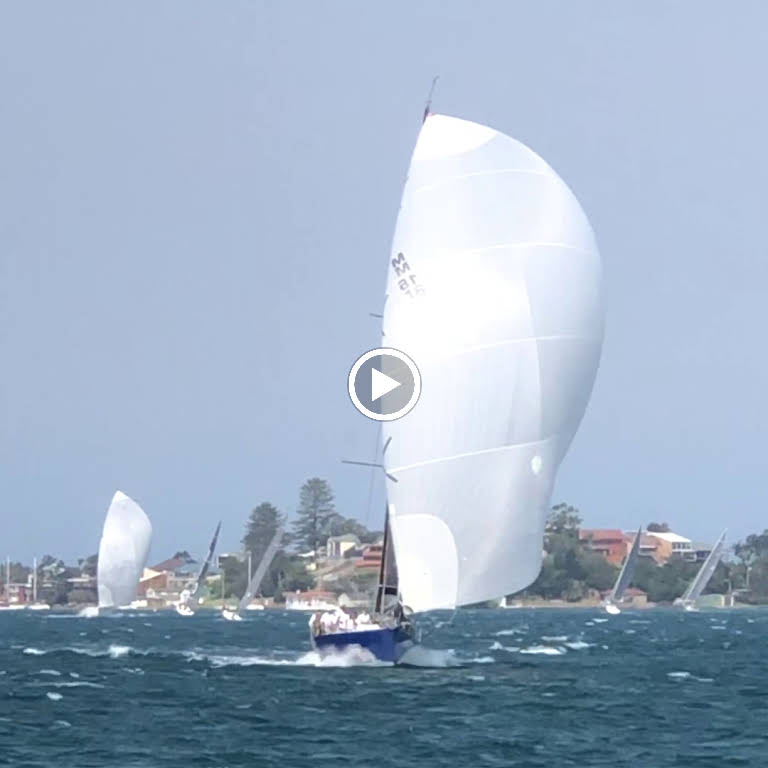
<point x="189" y="599"/>
<point x="625" y="576"/>
<point x="122" y="552"/>
<point x="255" y="583"/>
<point x="494" y="290"/>
<point x="700" y="581"/>
<point x="36" y="605"/>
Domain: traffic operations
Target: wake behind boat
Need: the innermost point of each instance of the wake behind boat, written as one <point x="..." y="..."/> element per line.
<point x="494" y="290"/>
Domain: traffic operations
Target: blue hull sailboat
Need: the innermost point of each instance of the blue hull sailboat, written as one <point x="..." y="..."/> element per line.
<point x="494" y="290"/>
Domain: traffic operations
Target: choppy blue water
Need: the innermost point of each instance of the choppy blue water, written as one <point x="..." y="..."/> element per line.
<point x="520" y="688"/>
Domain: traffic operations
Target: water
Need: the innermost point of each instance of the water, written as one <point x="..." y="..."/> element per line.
<point x="496" y="688"/>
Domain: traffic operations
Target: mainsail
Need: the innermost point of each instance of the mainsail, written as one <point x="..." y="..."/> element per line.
<point x="261" y="570"/>
<point x="122" y="552"/>
<point x="494" y="290"/>
<point x="206" y="564"/>
<point x="627" y="570"/>
<point x="699" y="583"/>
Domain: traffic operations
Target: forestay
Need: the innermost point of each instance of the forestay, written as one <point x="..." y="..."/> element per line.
<point x="122" y="552"/>
<point x="494" y="289"/>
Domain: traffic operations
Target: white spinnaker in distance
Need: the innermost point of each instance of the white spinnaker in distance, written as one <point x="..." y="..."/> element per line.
<point x="122" y="552"/>
<point x="494" y="290"/>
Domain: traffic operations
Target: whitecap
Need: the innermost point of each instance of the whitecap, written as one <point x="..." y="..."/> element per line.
<point x="600" y="621"/>
<point x="503" y="632"/>
<point x="116" y="651"/>
<point x="34" y="652"/>
<point x="578" y="645"/>
<point x="89" y="612"/>
<point x="61" y="724"/>
<point x="679" y="675"/>
<point x="54" y="696"/>
<point x="476" y="678"/>
<point x="53" y="672"/>
<point x="544" y="650"/>
<point x="554" y="638"/>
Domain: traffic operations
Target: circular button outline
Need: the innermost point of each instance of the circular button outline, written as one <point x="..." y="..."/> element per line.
<point x="412" y="367"/>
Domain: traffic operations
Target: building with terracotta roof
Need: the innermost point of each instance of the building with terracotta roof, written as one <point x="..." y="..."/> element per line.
<point x="611" y="543"/>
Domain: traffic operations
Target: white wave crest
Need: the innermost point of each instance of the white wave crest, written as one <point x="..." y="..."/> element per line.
<point x="544" y="650"/>
<point x="34" y="652"/>
<point x="54" y="696"/>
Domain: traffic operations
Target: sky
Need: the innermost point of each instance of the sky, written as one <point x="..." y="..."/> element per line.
<point x="197" y="202"/>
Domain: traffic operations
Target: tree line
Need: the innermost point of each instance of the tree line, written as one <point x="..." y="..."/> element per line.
<point x="571" y="570"/>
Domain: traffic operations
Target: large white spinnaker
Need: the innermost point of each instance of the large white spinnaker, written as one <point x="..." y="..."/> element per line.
<point x="122" y="552"/>
<point x="494" y="290"/>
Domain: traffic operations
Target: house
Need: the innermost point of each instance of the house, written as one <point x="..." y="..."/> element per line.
<point x="635" y="597"/>
<point x="700" y="551"/>
<point x="338" y="546"/>
<point x="17" y="594"/>
<point x="611" y="543"/>
<point x="649" y="546"/>
<point x="672" y="545"/>
<point x="370" y="557"/>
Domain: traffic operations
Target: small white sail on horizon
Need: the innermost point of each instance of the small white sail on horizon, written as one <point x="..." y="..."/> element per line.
<point x="704" y="574"/>
<point x="494" y="290"/>
<point x="625" y="576"/>
<point x="123" y="552"/>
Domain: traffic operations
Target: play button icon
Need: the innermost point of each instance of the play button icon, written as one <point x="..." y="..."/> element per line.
<point x="384" y="384"/>
<point x="381" y="384"/>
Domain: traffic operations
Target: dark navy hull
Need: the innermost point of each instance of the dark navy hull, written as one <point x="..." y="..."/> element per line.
<point x="385" y="644"/>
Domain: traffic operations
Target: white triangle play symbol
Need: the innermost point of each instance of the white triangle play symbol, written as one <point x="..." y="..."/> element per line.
<point x="381" y="384"/>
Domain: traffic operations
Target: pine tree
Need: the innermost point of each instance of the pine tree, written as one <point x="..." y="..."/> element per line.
<point x="314" y="515"/>
<point x="260" y="529"/>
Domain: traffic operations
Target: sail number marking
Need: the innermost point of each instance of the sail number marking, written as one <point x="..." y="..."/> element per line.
<point x="409" y="284"/>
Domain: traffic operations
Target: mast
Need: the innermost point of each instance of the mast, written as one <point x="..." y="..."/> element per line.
<point x="387" y="571"/>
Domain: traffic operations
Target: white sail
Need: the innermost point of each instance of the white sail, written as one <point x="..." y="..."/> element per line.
<point x="122" y="552"/>
<point x="700" y="581"/>
<point x="261" y="570"/>
<point x="494" y="290"/>
<point x="627" y="570"/>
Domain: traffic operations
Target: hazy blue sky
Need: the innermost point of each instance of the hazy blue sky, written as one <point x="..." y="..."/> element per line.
<point x="196" y="208"/>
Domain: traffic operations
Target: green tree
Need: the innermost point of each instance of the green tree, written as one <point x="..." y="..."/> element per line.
<point x="563" y="518"/>
<point x="658" y="528"/>
<point x="314" y="515"/>
<point x="260" y="529"/>
<point x="339" y="525"/>
<point x="235" y="574"/>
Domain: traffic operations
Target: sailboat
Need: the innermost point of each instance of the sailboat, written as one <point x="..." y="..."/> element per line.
<point x="36" y="605"/>
<point x="700" y="581"/>
<point x="494" y="290"/>
<point x="123" y="552"/>
<point x="188" y="598"/>
<point x="256" y="579"/>
<point x="625" y="576"/>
